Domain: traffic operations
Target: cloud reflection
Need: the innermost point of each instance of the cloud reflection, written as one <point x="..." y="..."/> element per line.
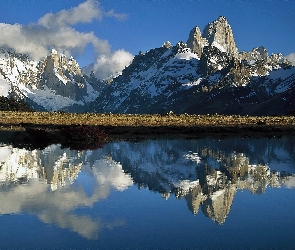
<point x="54" y="182"/>
<point x="25" y="175"/>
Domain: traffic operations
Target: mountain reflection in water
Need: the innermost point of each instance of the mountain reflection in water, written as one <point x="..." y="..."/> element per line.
<point x="55" y="182"/>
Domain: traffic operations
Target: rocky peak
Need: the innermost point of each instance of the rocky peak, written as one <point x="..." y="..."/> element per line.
<point x="260" y="62"/>
<point x="59" y="63"/>
<point x="219" y="34"/>
<point x="256" y="54"/>
<point x="181" y="45"/>
<point x="279" y="59"/>
<point x="263" y="52"/>
<point x="167" y="45"/>
<point x="196" y="42"/>
<point x="63" y="76"/>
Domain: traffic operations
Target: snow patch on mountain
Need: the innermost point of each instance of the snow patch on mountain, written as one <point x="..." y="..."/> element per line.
<point x="218" y="46"/>
<point x="187" y="55"/>
<point x="4" y="87"/>
<point x="194" y="83"/>
<point x="49" y="100"/>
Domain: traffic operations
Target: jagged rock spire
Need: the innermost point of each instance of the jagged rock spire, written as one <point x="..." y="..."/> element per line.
<point x="217" y="33"/>
<point x="196" y="42"/>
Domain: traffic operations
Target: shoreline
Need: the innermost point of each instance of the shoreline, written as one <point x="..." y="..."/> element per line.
<point x="89" y="131"/>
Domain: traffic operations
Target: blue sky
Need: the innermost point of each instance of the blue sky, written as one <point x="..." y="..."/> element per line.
<point x="100" y="32"/>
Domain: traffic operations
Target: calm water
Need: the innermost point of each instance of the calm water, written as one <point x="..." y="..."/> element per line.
<point x="231" y="193"/>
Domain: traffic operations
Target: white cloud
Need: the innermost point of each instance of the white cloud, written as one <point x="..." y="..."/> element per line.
<point x="111" y="13"/>
<point x="291" y="58"/>
<point x="90" y="10"/>
<point x="111" y="64"/>
<point x="56" y="30"/>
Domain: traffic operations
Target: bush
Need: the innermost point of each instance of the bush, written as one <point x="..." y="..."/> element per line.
<point x="7" y="104"/>
<point x="85" y="132"/>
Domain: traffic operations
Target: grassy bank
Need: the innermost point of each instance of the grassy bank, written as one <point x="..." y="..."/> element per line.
<point x="124" y="125"/>
<point x="89" y="131"/>
<point x="11" y="118"/>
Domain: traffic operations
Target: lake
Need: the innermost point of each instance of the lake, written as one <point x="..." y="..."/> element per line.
<point x="207" y="193"/>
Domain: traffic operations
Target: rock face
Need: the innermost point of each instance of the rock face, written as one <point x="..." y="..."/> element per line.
<point x="212" y="61"/>
<point x="196" y="42"/>
<point x="63" y="76"/>
<point x="219" y="34"/>
<point x="218" y="207"/>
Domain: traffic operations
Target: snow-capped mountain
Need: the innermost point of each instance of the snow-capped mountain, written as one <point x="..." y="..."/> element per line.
<point x="206" y="74"/>
<point x="52" y="84"/>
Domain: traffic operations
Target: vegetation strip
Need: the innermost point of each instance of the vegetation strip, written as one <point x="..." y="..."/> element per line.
<point x="90" y="131"/>
<point x="8" y="118"/>
<point x="145" y="124"/>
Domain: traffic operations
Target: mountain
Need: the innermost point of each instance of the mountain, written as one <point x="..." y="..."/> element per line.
<point x="205" y="74"/>
<point x="52" y="84"/>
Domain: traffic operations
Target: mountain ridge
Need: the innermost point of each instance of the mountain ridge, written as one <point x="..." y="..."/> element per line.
<point x="206" y="74"/>
<point x="200" y="77"/>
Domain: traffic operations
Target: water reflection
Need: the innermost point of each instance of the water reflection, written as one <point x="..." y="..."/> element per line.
<point x="55" y="182"/>
<point x="26" y="176"/>
<point x="209" y="175"/>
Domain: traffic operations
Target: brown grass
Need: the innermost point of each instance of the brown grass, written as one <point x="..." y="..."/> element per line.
<point x="138" y="126"/>
<point x="12" y="118"/>
<point x="39" y="129"/>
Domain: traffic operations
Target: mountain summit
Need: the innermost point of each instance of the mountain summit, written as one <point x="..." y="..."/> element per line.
<point x="217" y="33"/>
<point x="206" y="74"/>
